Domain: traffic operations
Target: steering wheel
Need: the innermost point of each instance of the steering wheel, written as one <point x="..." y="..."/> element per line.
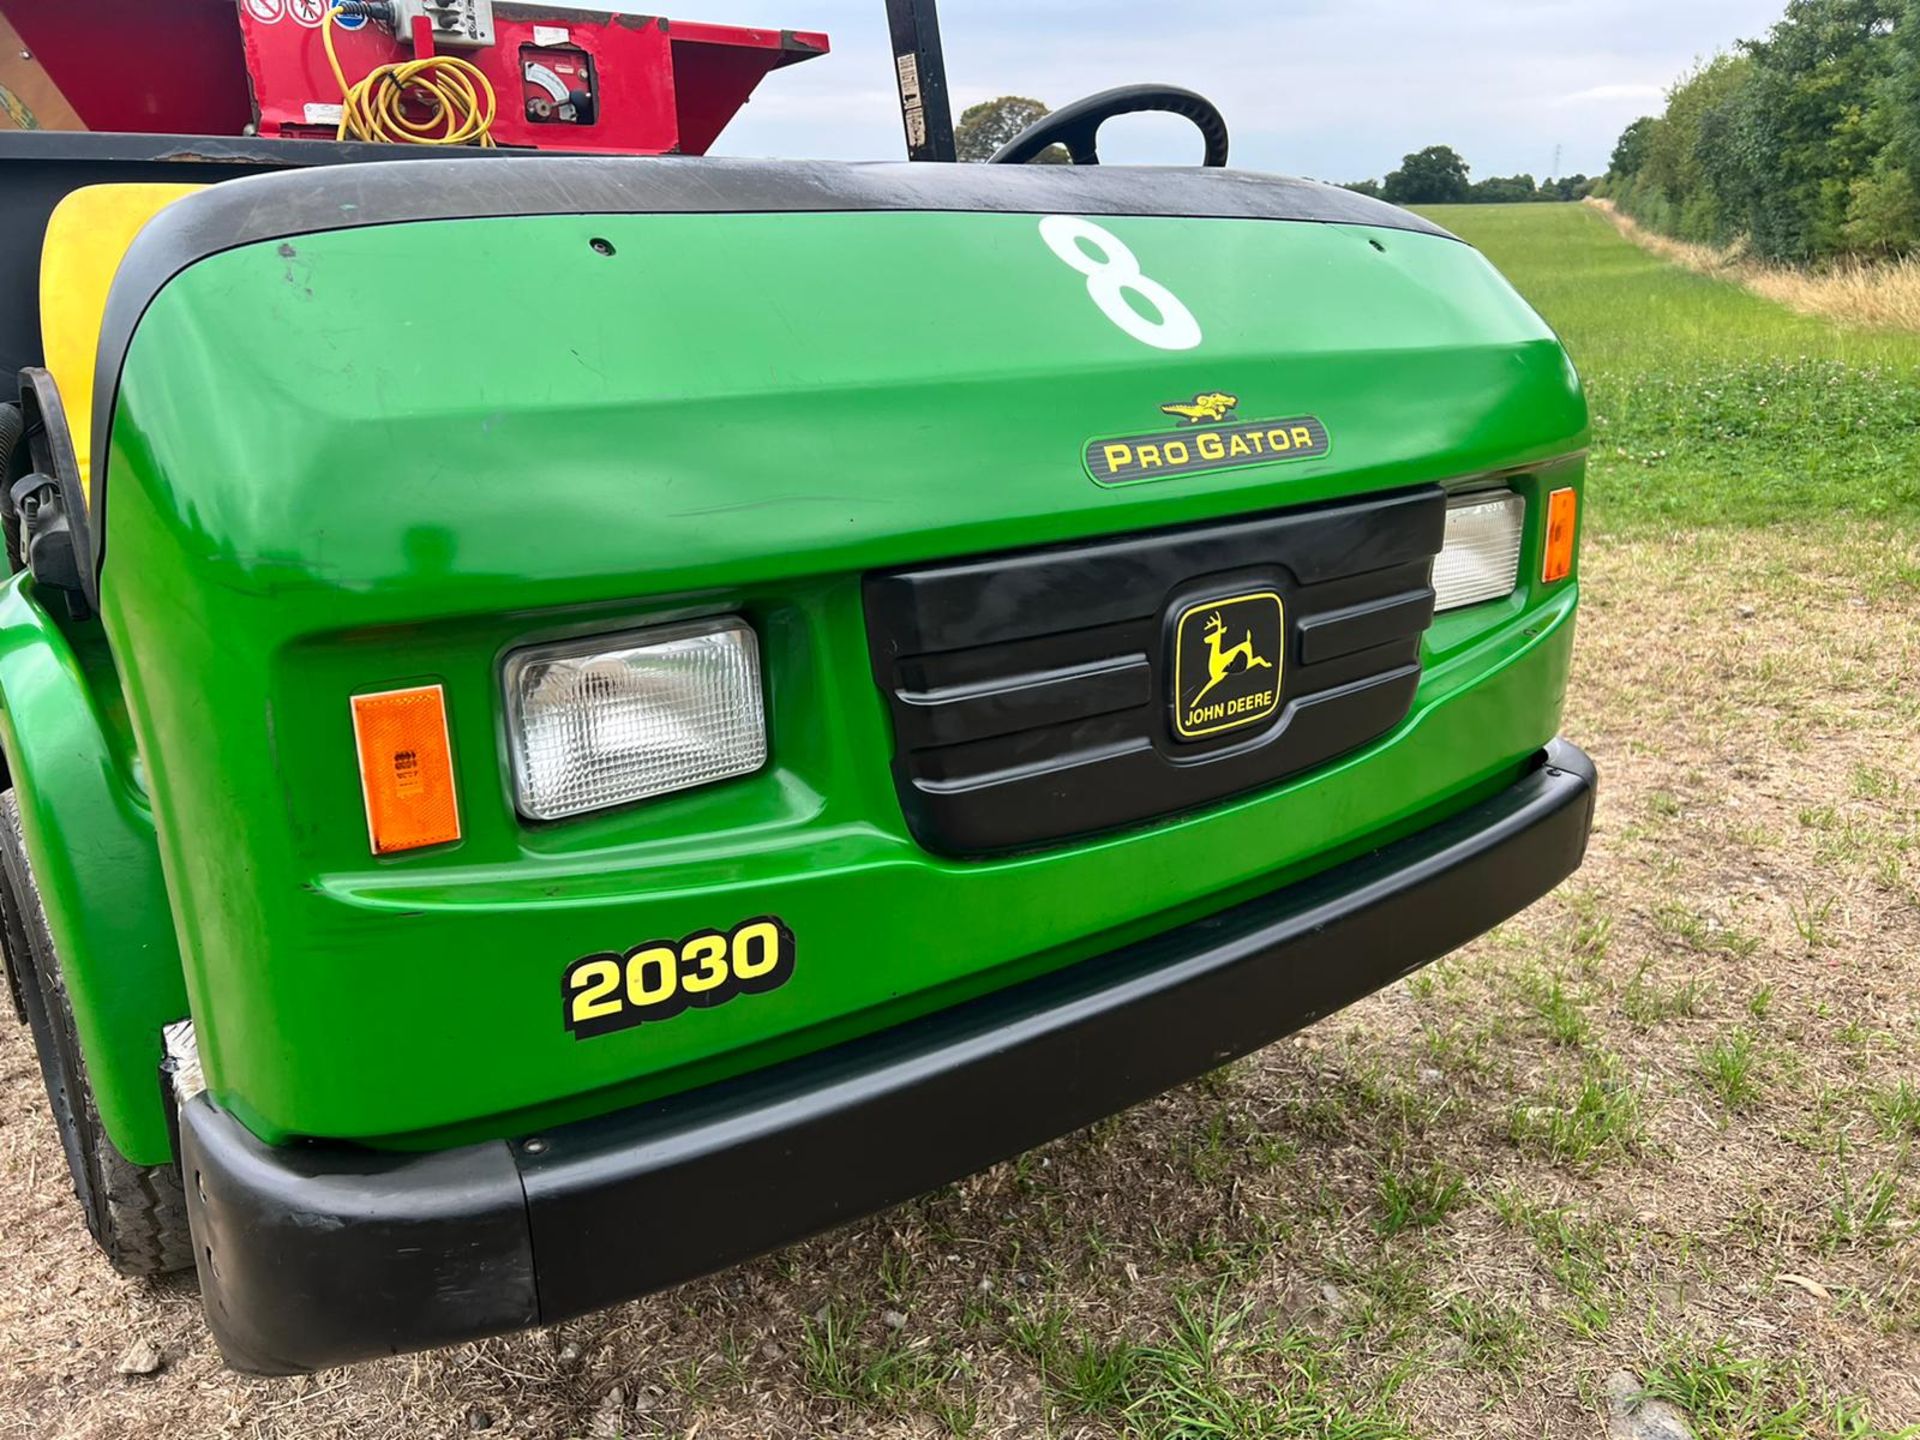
<point x="1077" y="126"/>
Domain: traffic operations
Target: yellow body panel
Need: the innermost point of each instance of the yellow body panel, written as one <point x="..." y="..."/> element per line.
<point x="87" y="238"/>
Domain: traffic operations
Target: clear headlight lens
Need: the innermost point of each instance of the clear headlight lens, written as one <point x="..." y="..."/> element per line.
<point x="617" y="718"/>
<point x="1480" y="559"/>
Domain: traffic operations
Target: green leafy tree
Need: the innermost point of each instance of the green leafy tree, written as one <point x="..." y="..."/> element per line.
<point x="1503" y="190"/>
<point x="1897" y="106"/>
<point x="1883" y="206"/>
<point x="1433" y="176"/>
<point x="1363" y="187"/>
<point x="1630" y="151"/>
<point x="1883" y="211"/>
<point x="1694" y="156"/>
<point x="1804" y="144"/>
<point x="1805" y="130"/>
<point x="985" y="127"/>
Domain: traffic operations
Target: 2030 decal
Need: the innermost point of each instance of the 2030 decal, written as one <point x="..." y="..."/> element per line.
<point x="662" y="978"/>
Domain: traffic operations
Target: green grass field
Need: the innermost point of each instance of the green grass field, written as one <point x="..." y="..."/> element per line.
<point x="1711" y="406"/>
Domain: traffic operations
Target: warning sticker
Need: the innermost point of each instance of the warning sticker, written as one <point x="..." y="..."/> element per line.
<point x="267" y="12"/>
<point x="912" y="106"/>
<point x="308" y="12"/>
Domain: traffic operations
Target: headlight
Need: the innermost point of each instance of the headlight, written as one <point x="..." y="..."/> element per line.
<point x="1481" y="557"/>
<point x="617" y="718"/>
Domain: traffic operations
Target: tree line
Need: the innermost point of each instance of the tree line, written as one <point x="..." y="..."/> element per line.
<point x="1436" y="175"/>
<point x="1439" y="175"/>
<point x="1804" y="145"/>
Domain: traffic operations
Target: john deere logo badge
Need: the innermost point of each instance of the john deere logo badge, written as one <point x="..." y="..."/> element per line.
<point x="1208" y="437"/>
<point x="1227" y="658"/>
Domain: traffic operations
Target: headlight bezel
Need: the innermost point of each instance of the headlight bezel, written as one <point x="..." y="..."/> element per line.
<point x="1505" y="511"/>
<point x="531" y="794"/>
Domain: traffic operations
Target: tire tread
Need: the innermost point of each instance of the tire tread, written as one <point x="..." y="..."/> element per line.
<point x="136" y="1213"/>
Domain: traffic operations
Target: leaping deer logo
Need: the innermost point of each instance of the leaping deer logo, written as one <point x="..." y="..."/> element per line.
<point x="1220" y="662"/>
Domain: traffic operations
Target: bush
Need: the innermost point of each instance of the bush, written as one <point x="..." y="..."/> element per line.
<point x="1805" y="143"/>
<point x="1883" y="213"/>
<point x="1503" y="190"/>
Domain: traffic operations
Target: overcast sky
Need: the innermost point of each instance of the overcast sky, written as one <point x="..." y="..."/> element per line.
<point x="1336" y="89"/>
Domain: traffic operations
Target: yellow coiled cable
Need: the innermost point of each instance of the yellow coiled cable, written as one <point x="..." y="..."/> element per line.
<point x="373" y="109"/>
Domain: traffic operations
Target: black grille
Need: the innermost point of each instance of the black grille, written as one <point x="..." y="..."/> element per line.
<point x="1030" y="691"/>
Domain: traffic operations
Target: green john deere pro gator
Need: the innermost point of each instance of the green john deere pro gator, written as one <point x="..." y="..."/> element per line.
<point x="570" y="719"/>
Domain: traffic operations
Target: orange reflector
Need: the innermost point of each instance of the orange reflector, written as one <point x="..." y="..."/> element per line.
<point x="406" y="769"/>
<point x="1563" y="507"/>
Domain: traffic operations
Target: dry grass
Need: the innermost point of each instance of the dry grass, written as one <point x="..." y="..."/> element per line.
<point x="1876" y="296"/>
<point x="1658" y="1122"/>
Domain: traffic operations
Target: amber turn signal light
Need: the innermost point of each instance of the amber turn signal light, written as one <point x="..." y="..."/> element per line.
<point x="406" y="769"/>
<point x="1563" y="508"/>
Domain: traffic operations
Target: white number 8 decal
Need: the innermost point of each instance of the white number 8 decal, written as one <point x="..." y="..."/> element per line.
<point x="1115" y="274"/>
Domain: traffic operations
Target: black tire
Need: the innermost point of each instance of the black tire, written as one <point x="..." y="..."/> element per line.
<point x="137" y="1213"/>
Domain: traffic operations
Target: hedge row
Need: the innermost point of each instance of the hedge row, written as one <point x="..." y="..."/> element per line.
<point x="1805" y="145"/>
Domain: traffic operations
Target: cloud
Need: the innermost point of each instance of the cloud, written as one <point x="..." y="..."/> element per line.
<point x="1612" y="92"/>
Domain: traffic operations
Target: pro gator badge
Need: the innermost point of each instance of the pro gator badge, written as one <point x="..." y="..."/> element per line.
<point x="1209" y="438"/>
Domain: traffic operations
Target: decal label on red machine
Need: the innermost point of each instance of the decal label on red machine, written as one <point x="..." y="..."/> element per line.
<point x="570" y="76"/>
<point x="606" y="992"/>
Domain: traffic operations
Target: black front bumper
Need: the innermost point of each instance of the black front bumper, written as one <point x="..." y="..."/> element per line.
<point x="317" y="1255"/>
